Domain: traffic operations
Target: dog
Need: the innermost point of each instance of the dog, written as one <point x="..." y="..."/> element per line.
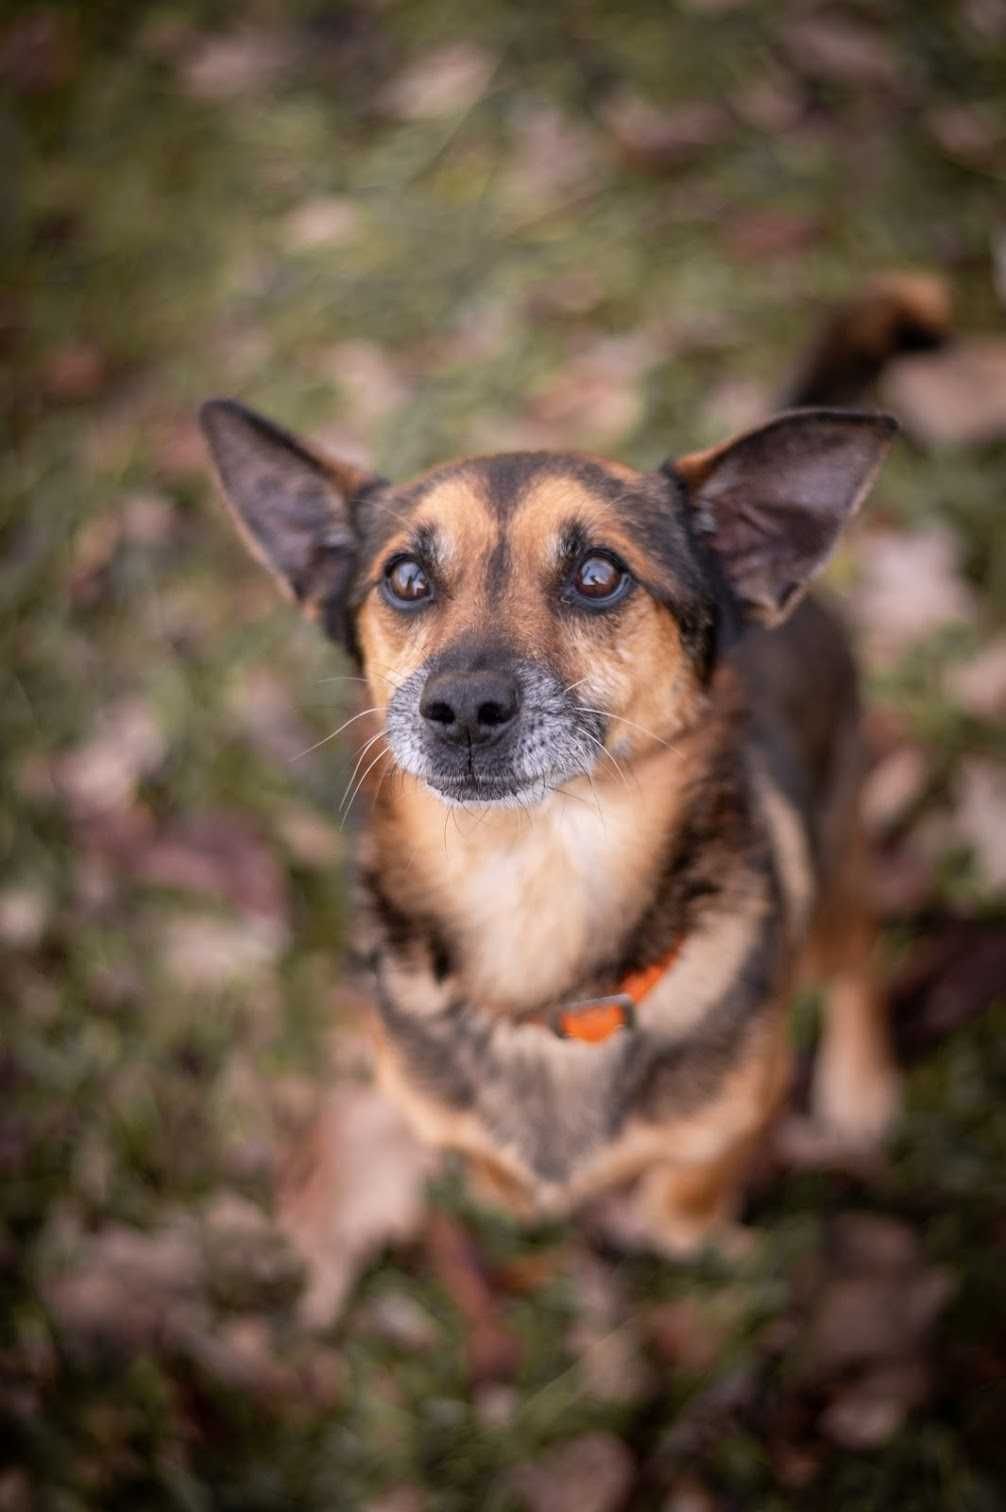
<point x="624" y="754"/>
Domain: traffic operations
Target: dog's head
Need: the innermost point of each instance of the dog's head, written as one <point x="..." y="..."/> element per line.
<point x="525" y="618"/>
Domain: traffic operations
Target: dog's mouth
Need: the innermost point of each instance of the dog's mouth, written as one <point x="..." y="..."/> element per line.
<point x="549" y="743"/>
<point x="493" y="791"/>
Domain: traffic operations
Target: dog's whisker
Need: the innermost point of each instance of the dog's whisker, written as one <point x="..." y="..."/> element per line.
<point x="326" y="738"/>
<point x="359" y="762"/>
<point x="384" y="777"/>
<point x="605" y="752"/>
<point x="379" y="757"/>
<point x="621" y="720"/>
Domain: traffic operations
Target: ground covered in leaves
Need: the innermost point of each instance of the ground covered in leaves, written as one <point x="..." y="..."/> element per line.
<point x="416" y="229"/>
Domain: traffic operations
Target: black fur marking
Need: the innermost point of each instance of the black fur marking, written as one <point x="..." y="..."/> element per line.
<point x="497" y="572"/>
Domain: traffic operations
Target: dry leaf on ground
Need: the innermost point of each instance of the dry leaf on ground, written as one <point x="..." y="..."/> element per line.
<point x="605" y="1339"/>
<point x="979" y="684"/>
<point x="980" y="816"/>
<point x="442" y="82"/>
<point x="828" y="45"/>
<point x="554" y="158"/>
<point x="661" y="138"/>
<point x="593" y="1473"/>
<point x="910" y="585"/>
<point x="330" y="221"/>
<point x="218" y="853"/>
<point x="355" y="1184"/>
<point x="956" y="397"/>
<point x="493" y="1349"/>
<point x="102" y="774"/>
<point x="229" y="65"/>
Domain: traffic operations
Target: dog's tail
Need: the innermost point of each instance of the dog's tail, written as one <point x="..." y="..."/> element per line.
<point x="894" y="313"/>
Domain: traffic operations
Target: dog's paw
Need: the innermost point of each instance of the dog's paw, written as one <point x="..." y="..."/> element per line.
<point x="856" y="1106"/>
<point x="681" y="1239"/>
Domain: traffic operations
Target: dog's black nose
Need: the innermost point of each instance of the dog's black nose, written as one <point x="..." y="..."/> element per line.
<point x="469" y="708"/>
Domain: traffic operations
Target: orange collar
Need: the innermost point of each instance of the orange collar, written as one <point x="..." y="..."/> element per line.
<point x="597" y="1019"/>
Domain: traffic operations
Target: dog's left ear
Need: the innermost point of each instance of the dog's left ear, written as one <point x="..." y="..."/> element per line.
<point x="772" y="503"/>
<point x="294" y="506"/>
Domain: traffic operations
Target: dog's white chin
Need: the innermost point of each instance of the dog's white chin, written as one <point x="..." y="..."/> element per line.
<point x="522" y="797"/>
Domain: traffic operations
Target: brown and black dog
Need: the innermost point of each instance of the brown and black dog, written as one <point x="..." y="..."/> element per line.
<point x="625" y="756"/>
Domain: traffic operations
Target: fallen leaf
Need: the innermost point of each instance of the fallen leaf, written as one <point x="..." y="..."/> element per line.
<point x="442" y="82"/>
<point x="148" y="518"/>
<point x="998" y="251"/>
<point x="605" y="1337"/>
<point x="828" y="45"/>
<point x="592" y="1473"/>
<point x="369" y="383"/>
<point x="979" y="685"/>
<point x="210" y="954"/>
<point x="689" y="1333"/>
<point x="664" y="137"/>
<point x="310" y="839"/>
<point x="261" y="705"/>
<point x="553" y="158"/>
<point x="39" y="50"/>
<point x="242" y="1354"/>
<point x="73" y="373"/>
<point x="221" y="854"/>
<point x="910" y="585"/>
<point x="496" y="1404"/>
<point x="228" y="65"/>
<point x="596" y="397"/>
<point x="404" y="1498"/>
<point x="980" y="816"/>
<point x="986" y="17"/>
<point x="873" y="1242"/>
<point x="355" y="1184"/>
<point x="399" y="1318"/>
<point x="688" y="1494"/>
<point x="330" y="221"/>
<point x="772" y="104"/>
<point x="126" y="1288"/>
<point x="179" y="448"/>
<point x="870" y="1410"/>
<point x="954" y="397"/>
<point x="762" y="235"/>
<point x="736" y="404"/>
<point x="248" y="1262"/>
<point x="574" y="293"/>
<point x="894" y="785"/>
<point x="15" y="1491"/>
<point x="863" y="1319"/>
<point x="974" y="132"/>
<point x="103" y="773"/>
<point x="25" y="909"/>
<point x="493" y="1349"/>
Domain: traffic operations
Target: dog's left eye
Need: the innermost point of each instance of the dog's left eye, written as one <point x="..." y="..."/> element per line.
<point x="405" y="581"/>
<point x="599" y="580"/>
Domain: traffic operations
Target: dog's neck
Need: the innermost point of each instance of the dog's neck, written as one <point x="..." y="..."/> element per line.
<point x="532" y="904"/>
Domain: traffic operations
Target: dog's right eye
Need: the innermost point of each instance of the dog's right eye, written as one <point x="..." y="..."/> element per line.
<point x="405" y="581"/>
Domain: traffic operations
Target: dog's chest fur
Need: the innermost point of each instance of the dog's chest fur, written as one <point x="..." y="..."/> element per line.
<point x="538" y="910"/>
<point x="534" y="911"/>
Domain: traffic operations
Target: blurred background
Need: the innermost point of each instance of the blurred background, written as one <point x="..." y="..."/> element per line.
<point x="414" y="229"/>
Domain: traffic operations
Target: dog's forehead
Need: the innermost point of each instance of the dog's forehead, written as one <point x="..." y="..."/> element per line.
<point x="536" y="490"/>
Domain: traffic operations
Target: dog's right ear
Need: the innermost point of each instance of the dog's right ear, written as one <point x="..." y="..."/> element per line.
<point x="294" y="507"/>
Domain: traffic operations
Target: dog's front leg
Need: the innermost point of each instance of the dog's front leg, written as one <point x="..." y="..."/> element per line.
<point x="688" y="1208"/>
<point x="692" y="1199"/>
